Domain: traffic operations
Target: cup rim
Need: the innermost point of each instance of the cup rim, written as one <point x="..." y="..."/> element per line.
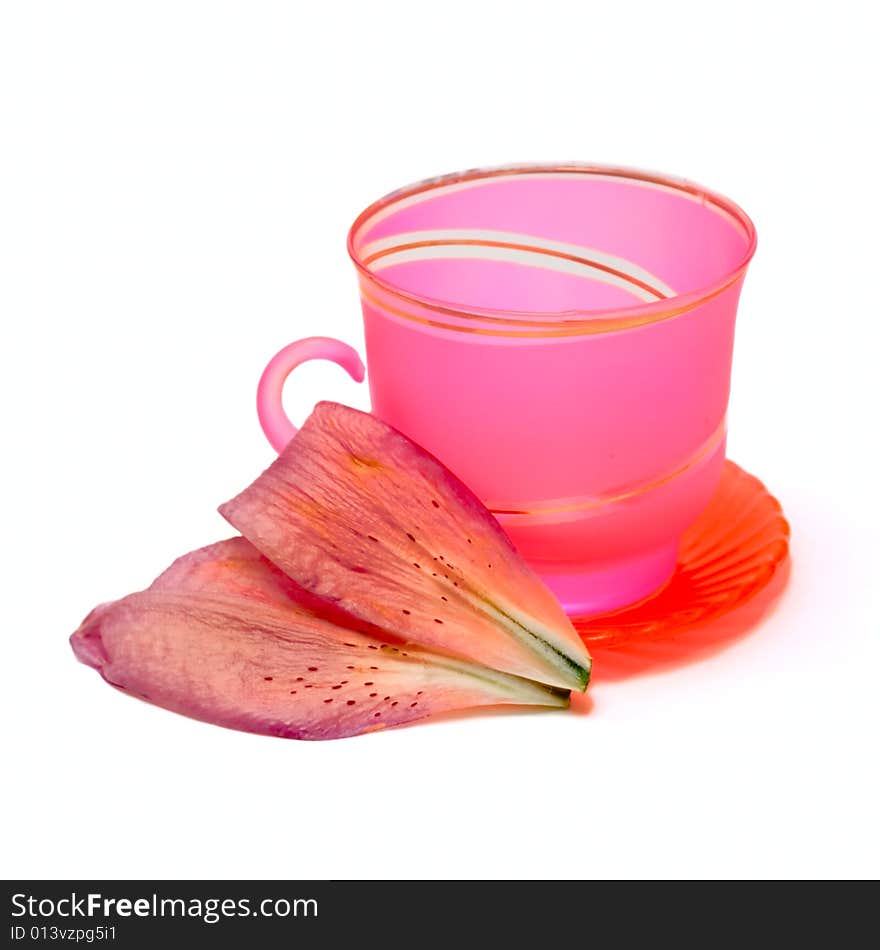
<point x="569" y="322"/>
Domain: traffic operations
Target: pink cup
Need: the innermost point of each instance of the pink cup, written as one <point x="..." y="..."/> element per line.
<point x="561" y="337"/>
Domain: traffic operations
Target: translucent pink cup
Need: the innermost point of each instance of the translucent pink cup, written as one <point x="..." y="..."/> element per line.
<point x="561" y="337"/>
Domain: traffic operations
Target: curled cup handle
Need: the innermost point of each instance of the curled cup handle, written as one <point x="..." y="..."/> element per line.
<point x="278" y="428"/>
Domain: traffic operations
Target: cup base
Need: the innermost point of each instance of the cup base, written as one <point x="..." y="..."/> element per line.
<point x="584" y="590"/>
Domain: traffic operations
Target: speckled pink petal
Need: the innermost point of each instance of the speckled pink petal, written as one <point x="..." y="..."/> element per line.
<point x="224" y="637"/>
<point x="366" y="519"/>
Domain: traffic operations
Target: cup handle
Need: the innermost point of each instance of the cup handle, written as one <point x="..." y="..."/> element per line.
<point x="278" y="428"/>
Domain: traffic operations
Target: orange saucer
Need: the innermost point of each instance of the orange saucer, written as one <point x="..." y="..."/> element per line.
<point x="727" y="556"/>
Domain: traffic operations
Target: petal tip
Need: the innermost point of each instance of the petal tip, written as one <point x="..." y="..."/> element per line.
<point x="87" y="644"/>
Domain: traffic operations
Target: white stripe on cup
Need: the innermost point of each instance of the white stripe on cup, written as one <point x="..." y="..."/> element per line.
<point x="522" y="255"/>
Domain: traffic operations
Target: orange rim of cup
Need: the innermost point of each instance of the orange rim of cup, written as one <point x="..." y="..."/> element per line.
<point x="437" y="313"/>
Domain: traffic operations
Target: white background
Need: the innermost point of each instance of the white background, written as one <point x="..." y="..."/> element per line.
<point x="176" y="182"/>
